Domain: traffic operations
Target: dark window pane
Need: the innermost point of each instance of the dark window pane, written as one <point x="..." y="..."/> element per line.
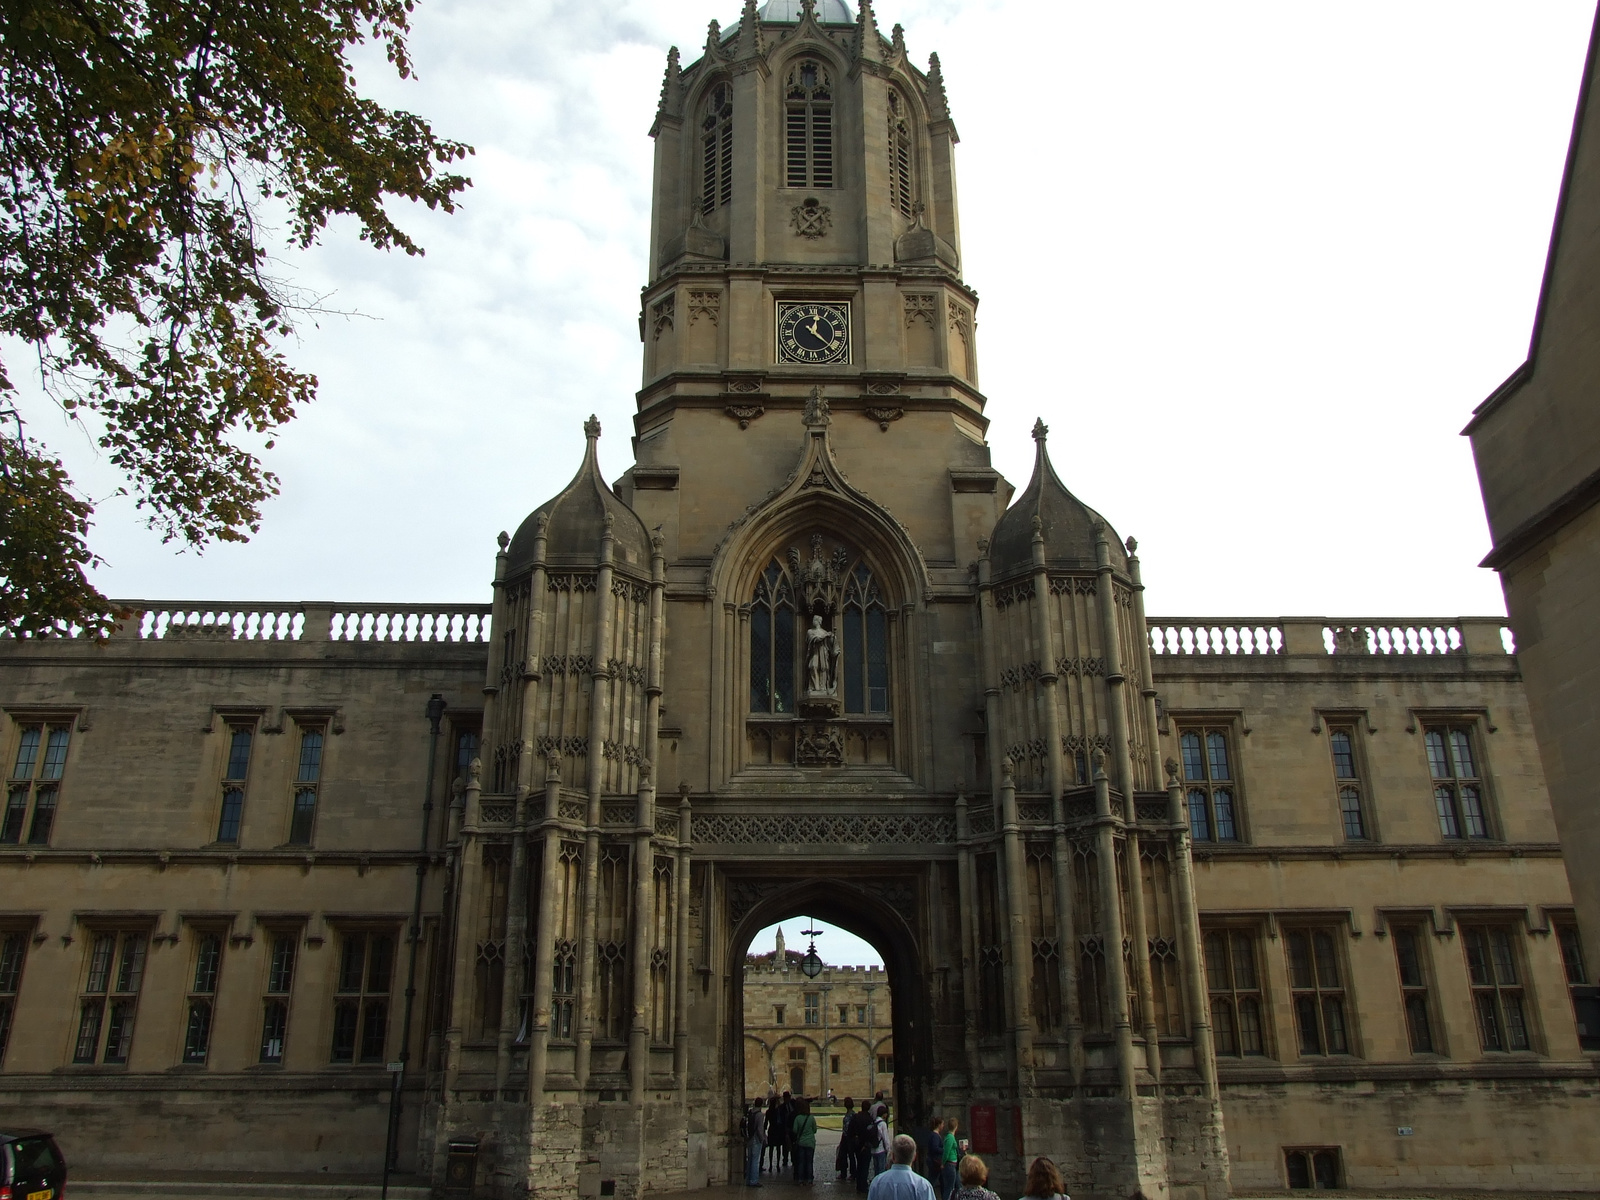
<point x="119" y="1032"/>
<point x="1478" y="969"/>
<point x="1199" y="817"/>
<point x="877" y="660"/>
<point x="1350" y="813"/>
<point x="760" y="659"/>
<point x="1325" y="1168"/>
<point x="55" y="754"/>
<point x="44" y="815"/>
<point x="16" y="814"/>
<point x="238" y="755"/>
<point x="1327" y="961"/>
<point x="1409" y="956"/>
<point x="374" y="1030"/>
<point x="354" y="962"/>
<point x="1217" y="754"/>
<point x="1309" y="1023"/>
<point x="1417" y="1024"/>
<point x="1222" y="1026"/>
<point x="1489" y="1035"/>
<point x="1505" y="963"/>
<point x="1216" y="962"/>
<point x="855" y="666"/>
<point x="1516" y="1022"/>
<point x="1226" y="831"/>
<point x="131" y="970"/>
<point x="1438" y="763"/>
<point x="1333" y="1023"/>
<point x="1299" y="945"/>
<point x="1244" y="961"/>
<point x="281" y="975"/>
<point x="207" y="962"/>
<point x="105" y="948"/>
<point x="12" y="950"/>
<point x="1193" y="765"/>
<point x="1471" y="812"/>
<point x="88" y="1031"/>
<point x="274" y="1022"/>
<point x="304" y="819"/>
<point x="346" y="1015"/>
<point x="1461" y="754"/>
<point x="7" y="1011"/>
<point x="232" y="815"/>
<point x="1571" y="954"/>
<point x="1298" y="1165"/>
<point x="783" y="659"/>
<point x="27" y="752"/>
<point x="1250" y="1041"/>
<point x="382" y="964"/>
<point x="1344" y="757"/>
<point x="310" y="756"/>
<point x="1445" y="802"/>
<point x="197" y="1041"/>
<point x="466" y="751"/>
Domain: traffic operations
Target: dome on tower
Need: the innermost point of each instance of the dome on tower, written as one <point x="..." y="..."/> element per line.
<point x="1068" y="524"/>
<point x="577" y="517"/>
<point x="829" y="12"/>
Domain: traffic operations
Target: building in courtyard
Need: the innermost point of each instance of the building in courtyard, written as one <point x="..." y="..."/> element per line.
<point x="1189" y="905"/>
<point x="831" y="1034"/>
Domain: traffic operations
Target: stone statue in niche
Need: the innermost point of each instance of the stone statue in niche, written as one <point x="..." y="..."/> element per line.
<point x="822" y="657"/>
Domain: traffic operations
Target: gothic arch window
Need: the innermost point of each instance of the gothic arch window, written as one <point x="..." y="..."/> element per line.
<point x="772" y="643"/>
<point x="808" y="126"/>
<point x="901" y="194"/>
<point x="866" y="645"/>
<point x="716" y="133"/>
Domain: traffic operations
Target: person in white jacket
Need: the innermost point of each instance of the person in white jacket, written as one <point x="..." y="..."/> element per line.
<point x="880" y="1156"/>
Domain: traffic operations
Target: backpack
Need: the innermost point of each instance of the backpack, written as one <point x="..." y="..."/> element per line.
<point x="869" y="1136"/>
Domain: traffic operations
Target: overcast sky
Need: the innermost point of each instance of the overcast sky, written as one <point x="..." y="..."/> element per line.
<point x="1254" y="263"/>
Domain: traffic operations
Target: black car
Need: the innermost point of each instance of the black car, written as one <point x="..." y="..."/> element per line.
<point x="31" y="1166"/>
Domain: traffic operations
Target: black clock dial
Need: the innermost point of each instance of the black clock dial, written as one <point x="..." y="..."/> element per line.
<point x="813" y="332"/>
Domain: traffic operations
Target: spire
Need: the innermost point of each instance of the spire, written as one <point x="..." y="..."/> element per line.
<point x="938" y="102"/>
<point x="749" y="44"/>
<point x="782" y="949"/>
<point x="671" y="86"/>
<point x="868" y="47"/>
<point x="714" y="41"/>
<point x="899" y="40"/>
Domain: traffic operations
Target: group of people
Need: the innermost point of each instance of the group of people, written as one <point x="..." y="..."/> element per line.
<point x="784" y="1133"/>
<point x="782" y="1136"/>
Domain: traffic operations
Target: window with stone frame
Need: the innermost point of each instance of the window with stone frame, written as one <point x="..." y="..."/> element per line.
<point x="466" y="736"/>
<point x="282" y="950"/>
<point x="13" y="955"/>
<point x="885" y="1064"/>
<point x="1349" y="784"/>
<point x="865" y="645"/>
<point x="489" y="963"/>
<point x="901" y="156"/>
<point x="777" y="1014"/>
<point x="565" y="927"/>
<point x="1460" y="797"/>
<point x="33" y="789"/>
<point x="109" y="999"/>
<point x="1499" y="1001"/>
<point x="361" y="1001"/>
<point x="1094" y="999"/>
<point x="991" y="962"/>
<point x="1234" y="986"/>
<point x="813" y="1008"/>
<point x="1317" y="990"/>
<point x="1585" y="997"/>
<point x="1211" y="785"/>
<point x="235" y="777"/>
<point x="716" y="148"/>
<point x="200" y="1004"/>
<point x="1416" y="1000"/>
<point x="1316" y="1167"/>
<point x="1044" y="943"/>
<point x="808" y="126"/>
<point x="307" y="785"/>
<point x="611" y="945"/>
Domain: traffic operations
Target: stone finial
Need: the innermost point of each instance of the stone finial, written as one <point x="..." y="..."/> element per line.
<point x="749" y="44"/>
<point x="504" y="540"/>
<point x="714" y="41"/>
<point x="671" y="85"/>
<point x="899" y="39"/>
<point x="816" y="415"/>
<point x="983" y="546"/>
<point x="657" y="539"/>
<point x="1038" y="528"/>
<point x="1097" y="760"/>
<point x="1172" y="772"/>
<point x="808" y="10"/>
<point x="938" y="102"/>
<point x="591" y="428"/>
<point x="475" y="773"/>
<point x="867" y="48"/>
<point x="1040" y="429"/>
<point x="610" y="524"/>
<point x="543" y="524"/>
<point x="647" y="773"/>
<point x="683" y="792"/>
<point x="1133" y="544"/>
<point x="1008" y="770"/>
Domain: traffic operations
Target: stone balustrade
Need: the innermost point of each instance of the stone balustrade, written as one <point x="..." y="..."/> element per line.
<point x="306" y="621"/>
<point x="1173" y="636"/>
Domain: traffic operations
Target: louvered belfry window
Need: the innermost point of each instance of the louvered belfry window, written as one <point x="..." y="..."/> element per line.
<point x="716" y="184"/>
<point x="900" y="192"/>
<point x="808" y="127"/>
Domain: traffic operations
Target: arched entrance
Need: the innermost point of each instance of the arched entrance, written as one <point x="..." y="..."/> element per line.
<point x="881" y="912"/>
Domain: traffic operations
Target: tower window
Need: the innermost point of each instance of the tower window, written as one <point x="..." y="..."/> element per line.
<point x="1211" y="785"/>
<point x="772" y="644"/>
<point x="866" y="646"/>
<point x="808" y="127"/>
<point x="716" y="184"/>
<point x="1457" y="782"/>
<point x="900" y="193"/>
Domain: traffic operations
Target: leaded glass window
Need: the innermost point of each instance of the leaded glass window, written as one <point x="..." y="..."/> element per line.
<point x="1458" y="793"/>
<point x="1211" y="788"/>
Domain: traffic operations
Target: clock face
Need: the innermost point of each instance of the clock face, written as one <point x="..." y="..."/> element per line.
<point x="813" y="331"/>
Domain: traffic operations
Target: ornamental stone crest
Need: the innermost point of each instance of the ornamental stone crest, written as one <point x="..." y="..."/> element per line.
<point x="818" y="581"/>
<point x="811" y="218"/>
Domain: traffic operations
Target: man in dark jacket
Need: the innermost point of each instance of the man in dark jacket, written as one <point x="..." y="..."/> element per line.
<point x="845" y="1161"/>
<point x="866" y="1145"/>
<point x="932" y="1150"/>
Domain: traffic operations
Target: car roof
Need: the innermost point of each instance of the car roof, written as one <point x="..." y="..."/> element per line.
<point x="17" y="1134"/>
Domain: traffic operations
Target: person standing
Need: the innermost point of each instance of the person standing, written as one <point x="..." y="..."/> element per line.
<point x="1044" y="1181"/>
<point x="880" y="1152"/>
<point x="900" y="1182"/>
<point x="773" y="1131"/>
<point x="804" y="1132"/>
<point x="974" y="1174"/>
<point x="952" y="1155"/>
<point x="932" y="1151"/>
<point x="755" y="1135"/>
<point x="865" y="1140"/>
<point x="844" y="1160"/>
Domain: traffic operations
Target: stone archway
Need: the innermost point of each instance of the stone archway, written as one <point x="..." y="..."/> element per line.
<point x="883" y="910"/>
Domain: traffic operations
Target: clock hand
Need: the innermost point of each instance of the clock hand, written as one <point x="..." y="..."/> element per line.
<point x="814" y="332"/>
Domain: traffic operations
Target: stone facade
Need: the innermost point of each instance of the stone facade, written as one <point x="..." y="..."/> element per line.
<point x="814" y="1037"/>
<point x="1188" y="905"/>
<point x="1536" y="440"/>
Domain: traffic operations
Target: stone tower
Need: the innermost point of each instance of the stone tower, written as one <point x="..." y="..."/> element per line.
<point x="875" y="694"/>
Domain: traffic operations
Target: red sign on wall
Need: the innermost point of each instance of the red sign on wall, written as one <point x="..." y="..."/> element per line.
<point x="985" y="1133"/>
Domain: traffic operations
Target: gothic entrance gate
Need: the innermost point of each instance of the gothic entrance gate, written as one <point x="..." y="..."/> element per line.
<point x="886" y="909"/>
